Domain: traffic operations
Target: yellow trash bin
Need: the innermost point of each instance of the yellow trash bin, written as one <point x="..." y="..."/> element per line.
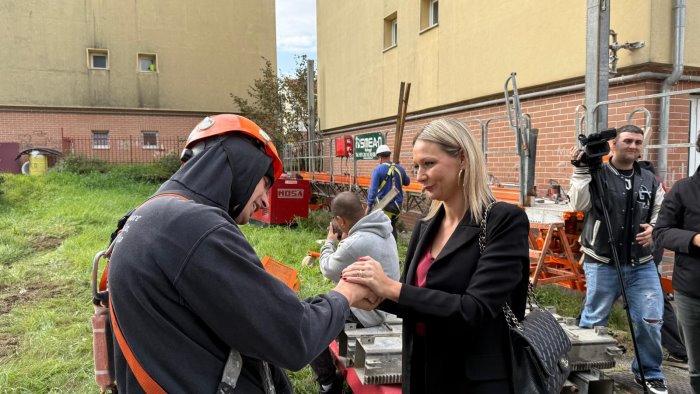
<point x="38" y="163"/>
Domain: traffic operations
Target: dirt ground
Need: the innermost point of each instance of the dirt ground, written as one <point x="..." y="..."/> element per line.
<point x="14" y="296"/>
<point x="676" y="375"/>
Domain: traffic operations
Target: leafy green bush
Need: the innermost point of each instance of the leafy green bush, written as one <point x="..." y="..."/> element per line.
<point x="156" y="172"/>
<point x="79" y="164"/>
<point x="168" y="164"/>
<point x="2" y="180"/>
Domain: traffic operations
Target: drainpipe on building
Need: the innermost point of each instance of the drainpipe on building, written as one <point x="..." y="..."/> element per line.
<point x="678" y="53"/>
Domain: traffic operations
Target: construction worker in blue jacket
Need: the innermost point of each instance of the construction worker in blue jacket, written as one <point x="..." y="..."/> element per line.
<point x="384" y="176"/>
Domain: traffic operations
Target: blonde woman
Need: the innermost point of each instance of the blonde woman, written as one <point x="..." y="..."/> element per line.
<point x="455" y="337"/>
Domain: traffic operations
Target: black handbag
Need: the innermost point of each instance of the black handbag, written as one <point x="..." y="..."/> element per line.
<point x="540" y="346"/>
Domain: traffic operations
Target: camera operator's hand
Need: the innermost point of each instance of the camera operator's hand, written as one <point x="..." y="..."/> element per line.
<point x="644" y="238"/>
<point x="576" y="155"/>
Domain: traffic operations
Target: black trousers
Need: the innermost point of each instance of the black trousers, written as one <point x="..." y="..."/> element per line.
<point x="670" y="338"/>
<point x="323" y="365"/>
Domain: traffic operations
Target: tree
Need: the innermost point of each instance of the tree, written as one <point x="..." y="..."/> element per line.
<point x="279" y="104"/>
<point x="295" y="89"/>
<point x="265" y="106"/>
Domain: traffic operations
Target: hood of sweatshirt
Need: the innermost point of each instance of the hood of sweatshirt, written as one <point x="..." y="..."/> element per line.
<point x="224" y="175"/>
<point x="376" y="222"/>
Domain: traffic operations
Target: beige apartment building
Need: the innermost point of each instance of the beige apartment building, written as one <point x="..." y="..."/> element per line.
<point x="457" y="56"/>
<point x="125" y="81"/>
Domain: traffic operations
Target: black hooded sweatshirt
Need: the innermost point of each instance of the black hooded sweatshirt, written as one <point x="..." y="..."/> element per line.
<point x="186" y="286"/>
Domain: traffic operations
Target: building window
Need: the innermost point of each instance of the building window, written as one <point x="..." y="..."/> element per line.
<point x="391" y="31"/>
<point x="434" y="8"/>
<point x="100" y="139"/>
<point x="150" y="139"/>
<point x="147" y="62"/>
<point x="98" y="58"/>
<point x="429" y="14"/>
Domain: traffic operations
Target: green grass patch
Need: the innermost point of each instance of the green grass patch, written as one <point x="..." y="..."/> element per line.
<point x="569" y="303"/>
<point x="50" y="229"/>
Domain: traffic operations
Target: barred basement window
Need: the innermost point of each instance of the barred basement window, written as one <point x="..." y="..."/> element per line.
<point x="100" y="139"/>
<point x="150" y="139"/>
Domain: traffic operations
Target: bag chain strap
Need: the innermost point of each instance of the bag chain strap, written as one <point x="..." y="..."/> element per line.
<point x="511" y="319"/>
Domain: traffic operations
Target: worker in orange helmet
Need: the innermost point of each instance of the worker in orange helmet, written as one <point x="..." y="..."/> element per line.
<point x="196" y="309"/>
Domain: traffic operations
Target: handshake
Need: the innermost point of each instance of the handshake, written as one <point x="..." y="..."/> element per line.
<point x="365" y="285"/>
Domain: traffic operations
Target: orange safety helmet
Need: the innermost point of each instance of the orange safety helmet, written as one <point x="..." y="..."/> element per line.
<point x="227" y="123"/>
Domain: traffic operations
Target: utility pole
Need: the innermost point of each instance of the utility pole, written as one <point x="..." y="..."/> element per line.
<point x="597" y="50"/>
<point x="310" y="100"/>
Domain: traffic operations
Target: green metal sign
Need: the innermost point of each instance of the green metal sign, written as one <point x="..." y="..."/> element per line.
<point x="366" y="145"/>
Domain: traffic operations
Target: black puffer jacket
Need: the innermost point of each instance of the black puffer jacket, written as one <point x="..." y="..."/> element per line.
<point x="187" y="286"/>
<point x="678" y="223"/>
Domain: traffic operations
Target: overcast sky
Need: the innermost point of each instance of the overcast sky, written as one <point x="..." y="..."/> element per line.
<point x="296" y="32"/>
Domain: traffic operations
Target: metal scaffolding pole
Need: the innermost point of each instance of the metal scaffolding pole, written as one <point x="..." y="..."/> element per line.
<point x="311" y="127"/>
<point x="597" y="43"/>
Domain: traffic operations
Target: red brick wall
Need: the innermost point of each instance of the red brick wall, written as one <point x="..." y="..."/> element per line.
<point x="43" y="128"/>
<point x="554" y="116"/>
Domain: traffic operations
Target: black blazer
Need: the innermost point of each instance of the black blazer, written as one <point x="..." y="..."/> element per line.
<point x="466" y="339"/>
<point x="677" y="224"/>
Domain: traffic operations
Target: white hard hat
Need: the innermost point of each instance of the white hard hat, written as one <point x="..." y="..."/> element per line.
<point x="383" y="149"/>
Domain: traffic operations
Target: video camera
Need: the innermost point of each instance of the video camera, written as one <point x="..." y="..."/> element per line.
<point x="595" y="146"/>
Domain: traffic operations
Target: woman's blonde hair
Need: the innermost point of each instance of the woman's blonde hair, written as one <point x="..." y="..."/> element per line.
<point x="455" y="139"/>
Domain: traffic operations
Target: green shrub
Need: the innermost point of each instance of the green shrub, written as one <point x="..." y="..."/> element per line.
<point x="2" y="180"/>
<point x="79" y="164"/>
<point x="168" y="164"/>
<point x="157" y="172"/>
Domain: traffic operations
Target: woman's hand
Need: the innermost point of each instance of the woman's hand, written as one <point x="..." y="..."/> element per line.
<point x="367" y="271"/>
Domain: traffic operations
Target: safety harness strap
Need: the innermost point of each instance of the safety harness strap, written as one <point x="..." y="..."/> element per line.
<point x="392" y="168"/>
<point x="147" y="383"/>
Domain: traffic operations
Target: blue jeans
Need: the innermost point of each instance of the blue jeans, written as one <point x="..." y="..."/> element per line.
<point x="688" y="313"/>
<point x="646" y="305"/>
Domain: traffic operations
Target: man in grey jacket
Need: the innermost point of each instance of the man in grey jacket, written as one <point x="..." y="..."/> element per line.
<point x="368" y="235"/>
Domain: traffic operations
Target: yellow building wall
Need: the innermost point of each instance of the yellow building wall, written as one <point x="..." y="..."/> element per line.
<point x="471" y="52"/>
<point x="205" y="50"/>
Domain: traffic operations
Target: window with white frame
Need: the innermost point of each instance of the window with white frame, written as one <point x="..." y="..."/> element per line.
<point x="433" y="16"/>
<point x="100" y="139"/>
<point x="150" y="139"/>
<point x="391" y="31"/>
<point x="98" y="59"/>
<point x="429" y="14"/>
<point x="147" y="62"/>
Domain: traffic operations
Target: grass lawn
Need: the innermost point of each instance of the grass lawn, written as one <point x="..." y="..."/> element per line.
<point x="50" y="229"/>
